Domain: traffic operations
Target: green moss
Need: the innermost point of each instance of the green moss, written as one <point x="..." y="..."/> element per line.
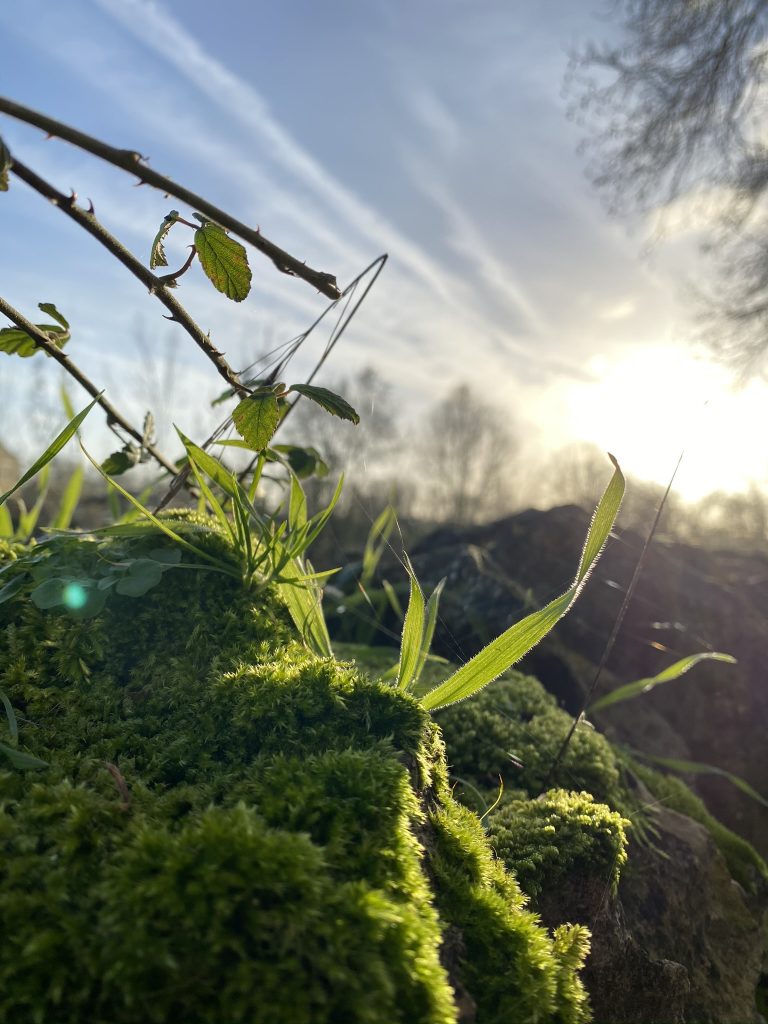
<point x="275" y="859"/>
<point x="516" y="716"/>
<point x="744" y="862"/>
<point x="544" y="841"/>
<point x="511" y="967"/>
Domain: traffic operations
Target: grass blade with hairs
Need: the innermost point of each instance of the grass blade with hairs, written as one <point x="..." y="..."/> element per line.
<point x="511" y="646"/>
<point x="640" y="686"/>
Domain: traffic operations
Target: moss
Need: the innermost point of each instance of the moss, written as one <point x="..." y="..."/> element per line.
<point x="516" y="716"/>
<point x="511" y="968"/>
<point x="744" y="862"/>
<point x="544" y="841"/>
<point x="288" y="849"/>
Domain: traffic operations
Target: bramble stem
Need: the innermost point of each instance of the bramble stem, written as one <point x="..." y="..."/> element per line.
<point x="42" y="340"/>
<point x="155" y="285"/>
<point x="133" y="162"/>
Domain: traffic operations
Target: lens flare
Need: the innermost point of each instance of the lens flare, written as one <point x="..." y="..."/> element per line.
<point x="74" y="596"/>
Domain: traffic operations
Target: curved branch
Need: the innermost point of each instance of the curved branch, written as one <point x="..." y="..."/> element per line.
<point x="87" y="220"/>
<point x="43" y="342"/>
<point x="133" y="162"/>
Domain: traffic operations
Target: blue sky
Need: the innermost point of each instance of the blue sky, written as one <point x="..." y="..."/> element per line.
<point x="435" y="131"/>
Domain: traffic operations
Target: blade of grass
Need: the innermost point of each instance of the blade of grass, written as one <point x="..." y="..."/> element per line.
<point x="413" y="632"/>
<point x="697" y="768"/>
<point x="69" y="500"/>
<point x="52" y="450"/>
<point x="512" y="645"/>
<point x="640" y="686"/>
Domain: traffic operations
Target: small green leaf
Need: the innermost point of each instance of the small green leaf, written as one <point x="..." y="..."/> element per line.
<point x="12" y="587"/>
<point x="15" y="342"/>
<point x="143" y="574"/>
<point x="6" y="161"/>
<point x="331" y="402"/>
<point x="157" y="257"/>
<point x="224" y="261"/>
<point x="303" y="461"/>
<point x="21" y="760"/>
<point x="640" y="686"/>
<point x="50" y="309"/>
<point x="52" y="450"/>
<point x="256" y="420"/>
<point x="120" y="462"/>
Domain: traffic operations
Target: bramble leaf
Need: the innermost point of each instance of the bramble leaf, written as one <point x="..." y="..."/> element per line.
<point x="256" y="420"/>
<point x="16" y="342"/>
<point x="157" y="257"/>
<point x="331" y="402"/>
<point x="5" y="165"/>
<point x="224" y="261"/>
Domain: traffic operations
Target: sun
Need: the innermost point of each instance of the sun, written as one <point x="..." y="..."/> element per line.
<point x="654" y="401"/>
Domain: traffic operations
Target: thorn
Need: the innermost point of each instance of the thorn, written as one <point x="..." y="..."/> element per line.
<point x="72" y="199"/>
<point x="90" y="207"/>
<point x="49" y="135"/>
<point x="139" y="183"/>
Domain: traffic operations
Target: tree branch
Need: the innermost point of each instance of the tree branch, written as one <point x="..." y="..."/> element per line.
<point x="43" y="341"/>
<point x="87" y="220"/>
<point x="133" y="162"/>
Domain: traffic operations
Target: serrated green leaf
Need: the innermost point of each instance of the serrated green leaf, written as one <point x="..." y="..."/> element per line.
<point x="21" y="760"/>
<point x="6" y="160"/>
<point x="329" y="400"/>
<point x="52" y="450"/>
<point x="120" y="462"/>
<point x="514" y="643"/>
<point x="640" y="686"/>
<point x="50" y="309"/>
<point x="157" y="257"/>
<point x="256" y="420"/>
<point x="15" y="342"/>
<point x="224" y="261"/>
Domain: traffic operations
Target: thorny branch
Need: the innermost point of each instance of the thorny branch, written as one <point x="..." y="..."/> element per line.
<point x="43" y="341"/>
<point x="134" y="163"/>
<point x="156" y="285"/>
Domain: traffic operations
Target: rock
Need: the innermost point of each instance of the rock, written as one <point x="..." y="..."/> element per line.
<point x="687" y="600"/>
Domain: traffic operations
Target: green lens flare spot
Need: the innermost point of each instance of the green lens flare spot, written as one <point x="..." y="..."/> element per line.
<point x="74" y="596"/>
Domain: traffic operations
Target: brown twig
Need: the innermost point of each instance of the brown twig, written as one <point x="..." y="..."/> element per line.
<point x="156" y="285"/>
<point x="43" y="341"/>
<point x="133" y="162"/>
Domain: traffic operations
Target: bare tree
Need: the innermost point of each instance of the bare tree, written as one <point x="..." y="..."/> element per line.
<point x="467" y="452"/>
<point x="674" y="108"/>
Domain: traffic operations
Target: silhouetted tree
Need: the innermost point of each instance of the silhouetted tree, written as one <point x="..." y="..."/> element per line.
<point x="466" y="453"/>
<point x="675" y="108"/>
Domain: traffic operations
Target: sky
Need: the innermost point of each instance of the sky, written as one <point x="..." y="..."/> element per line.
<point x="435" y="131"/>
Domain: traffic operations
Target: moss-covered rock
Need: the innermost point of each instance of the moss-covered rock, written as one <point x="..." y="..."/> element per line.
<point x="229" y="828"/>
<point x="514" y="729"/>
<point x="560" y="834"/>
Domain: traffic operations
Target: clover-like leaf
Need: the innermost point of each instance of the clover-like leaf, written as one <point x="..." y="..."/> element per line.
<point x="329" y="400"/>
<point x="5" y="165"/>
<point x="16" y="342"/>
<point x="256" y="420"/>
<point x="157" y="257"/>
<point x="224" y="261"/>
